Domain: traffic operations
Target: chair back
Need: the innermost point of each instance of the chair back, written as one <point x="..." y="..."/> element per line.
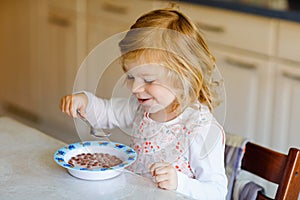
<point x="275" y="167"/>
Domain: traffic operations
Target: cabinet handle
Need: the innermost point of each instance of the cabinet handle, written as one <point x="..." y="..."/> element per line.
<point x="291" y="76"/>
<point x="114" y="8"/>
<point x="210" y="28"/>
<point x="59" y="21"/>
<point x="240" y="64"/>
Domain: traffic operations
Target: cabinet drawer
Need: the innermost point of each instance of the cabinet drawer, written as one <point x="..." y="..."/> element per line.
<point x="65" y="5"/>
<point x="235" y="29"/>
<point x="121" y="11"/>
<point x="289" y="41"/>
<point x="106" y="18"/>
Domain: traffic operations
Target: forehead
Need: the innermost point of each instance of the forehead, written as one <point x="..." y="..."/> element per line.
<point x="145" y="68"/>
<point x="141" y="57"/>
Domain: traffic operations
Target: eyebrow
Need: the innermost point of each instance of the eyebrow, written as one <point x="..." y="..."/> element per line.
<point x="144" y="74"/>
<point x="124" y="66"/>
<point x="147" y="74"/>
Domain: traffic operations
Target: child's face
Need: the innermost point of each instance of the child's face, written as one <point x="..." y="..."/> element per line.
<point x="149" y="84"/>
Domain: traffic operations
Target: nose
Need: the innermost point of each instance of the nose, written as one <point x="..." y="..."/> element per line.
<point x="137" y="86"/>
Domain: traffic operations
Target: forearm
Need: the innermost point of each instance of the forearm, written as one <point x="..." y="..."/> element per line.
<point x="207" y="165"/>
<point x="108" y="114"/>
<point x="202" y="189"/>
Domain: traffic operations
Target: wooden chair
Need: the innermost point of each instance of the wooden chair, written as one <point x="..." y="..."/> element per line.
<point x="275" y="167"/>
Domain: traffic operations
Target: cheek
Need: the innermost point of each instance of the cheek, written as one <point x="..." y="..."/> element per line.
<point x="129" y="84"/>
<point x="162" y="94"/>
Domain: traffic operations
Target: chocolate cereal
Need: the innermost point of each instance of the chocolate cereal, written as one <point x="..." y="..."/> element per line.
<point x="94" y="160"/>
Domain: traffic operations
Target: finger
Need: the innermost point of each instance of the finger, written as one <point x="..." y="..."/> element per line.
<point x="67" y="105"/>
<point x="165" y="185"/>
<point x="62" y="104"/>
<point x="162" y="170"/>
<point x="82" y="112"/>
<point x="162" y="177"/>
<point x="71" y="107"/>
<point x="74" y="104"/>
<point x="155" y="166"/>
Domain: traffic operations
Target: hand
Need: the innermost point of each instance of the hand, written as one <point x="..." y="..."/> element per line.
<point x="165" y="175"/>
<point x="70" y="104"/>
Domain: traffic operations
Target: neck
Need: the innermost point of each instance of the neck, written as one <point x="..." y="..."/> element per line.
<point x="165" y="115"/>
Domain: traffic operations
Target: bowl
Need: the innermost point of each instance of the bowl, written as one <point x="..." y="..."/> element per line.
<point x="122" y="151"/>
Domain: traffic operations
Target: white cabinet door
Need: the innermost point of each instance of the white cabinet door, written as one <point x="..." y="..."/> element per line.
<point x="15" y="45"/>
<point x="58" y="53"/>
<point x="288" y="40"/>
<point x="287" y="107"/>
<point x="234" y="29"/>
<point x="248" y="93"/>
<point x="106" y="18"/>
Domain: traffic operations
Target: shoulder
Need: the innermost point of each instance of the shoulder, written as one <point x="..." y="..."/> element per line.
<point x="204" y="126"/>
<point x="198" y="116"/>
<point x="208" y="140"/>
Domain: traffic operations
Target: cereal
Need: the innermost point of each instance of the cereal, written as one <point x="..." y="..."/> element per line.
<point x="94" y="161"/>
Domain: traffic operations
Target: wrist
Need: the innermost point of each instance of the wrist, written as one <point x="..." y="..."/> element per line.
<point x="181" y="177"/>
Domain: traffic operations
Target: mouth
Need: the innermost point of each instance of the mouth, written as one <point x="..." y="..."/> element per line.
<point x="143" y="101"/>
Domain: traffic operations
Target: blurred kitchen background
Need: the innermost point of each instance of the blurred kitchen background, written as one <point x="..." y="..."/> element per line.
<point x="256" y="44"/>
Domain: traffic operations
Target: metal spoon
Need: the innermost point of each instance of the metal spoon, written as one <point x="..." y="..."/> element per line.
<point x="93" y="131"/>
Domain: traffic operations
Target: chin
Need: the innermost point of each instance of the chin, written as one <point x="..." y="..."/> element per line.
<point x="154" y="109"/>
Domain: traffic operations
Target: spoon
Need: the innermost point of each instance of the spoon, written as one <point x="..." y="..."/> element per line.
<point x="93" y="131"/>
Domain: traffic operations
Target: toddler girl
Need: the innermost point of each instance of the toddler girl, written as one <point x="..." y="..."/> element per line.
<point x="169" y="71"/>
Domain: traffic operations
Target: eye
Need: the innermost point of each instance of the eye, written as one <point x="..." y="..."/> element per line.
<point x="130" y="77"/>
<point x="149" y="80"/>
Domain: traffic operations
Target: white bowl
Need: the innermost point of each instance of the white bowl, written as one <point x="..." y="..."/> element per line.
<point x="125" y="153"/>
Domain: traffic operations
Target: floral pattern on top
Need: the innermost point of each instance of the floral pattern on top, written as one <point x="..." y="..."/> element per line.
<point x="167" y="141"/>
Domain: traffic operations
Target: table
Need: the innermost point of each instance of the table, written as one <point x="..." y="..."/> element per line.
<point x="28" y="171"/>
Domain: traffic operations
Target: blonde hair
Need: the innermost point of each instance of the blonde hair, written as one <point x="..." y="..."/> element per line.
<point x="169" y="37"/>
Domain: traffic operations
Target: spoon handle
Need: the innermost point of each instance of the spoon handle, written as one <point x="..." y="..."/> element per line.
<point x="82" y="118"/>
<point x="93" y="131"/>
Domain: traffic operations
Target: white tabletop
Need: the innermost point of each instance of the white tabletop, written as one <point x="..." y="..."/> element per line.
<point x="28" y="171"/>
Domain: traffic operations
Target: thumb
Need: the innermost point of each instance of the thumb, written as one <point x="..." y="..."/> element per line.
<point x="82" y="111"/>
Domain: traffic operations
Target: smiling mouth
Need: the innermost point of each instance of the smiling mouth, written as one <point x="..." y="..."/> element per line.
<point x="142" y="101"/>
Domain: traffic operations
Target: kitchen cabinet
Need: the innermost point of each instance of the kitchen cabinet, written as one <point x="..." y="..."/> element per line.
<point x="106" y="18"/>
<point x="42" y="49"/>
<point x="287" y="87"/>
<point x="60" y="48"/>
<point x="234" y="29"/>
<point x="286" y="108"/>
<point x="243" y="56"/>
<point x="288" y="41"/>
<point x="258" y="62"/>
<point x="43" y="44"/>
<point x="248" y="90"/>
<point x="15" y="55"/>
